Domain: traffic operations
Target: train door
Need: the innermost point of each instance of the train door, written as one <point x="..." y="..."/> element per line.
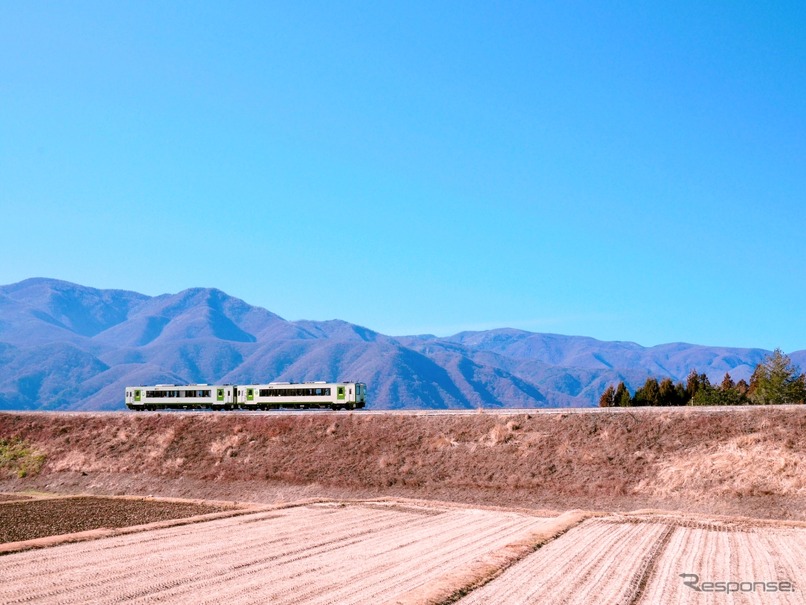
<point x="133" y="397"/>
<point x="224" y="396"/>
<point x="340" y="393"/>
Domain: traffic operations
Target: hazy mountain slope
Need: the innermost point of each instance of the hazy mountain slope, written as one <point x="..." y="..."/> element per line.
<point x="674" y="359"/>
<point x="65" y="307"/>
<point x="68" y="346"/>
<point x="44" y="376"/>
<point x="799" y="359"/>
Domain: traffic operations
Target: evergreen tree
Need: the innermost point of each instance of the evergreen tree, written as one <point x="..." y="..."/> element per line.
<point x="705" y="394"/>
<point x="680" y="392"/>
<point x="649" y="394"/>
<point x="700" y="386"/>
<point x="727" y="383"/>
<point x="622" y="397"/>
<point x="667" y="394"/>
<point x="692" y="385"/>
<point x="777" y="380"/>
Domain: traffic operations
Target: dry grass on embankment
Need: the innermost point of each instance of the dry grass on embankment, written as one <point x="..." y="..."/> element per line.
<point x="742" y="461"/>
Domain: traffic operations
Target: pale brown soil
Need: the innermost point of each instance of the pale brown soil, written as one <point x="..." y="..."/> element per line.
<point x="315" y="554"/>
<point x="747" y="461"/>
<point x="640" y="561"/>
<point x="411" y="552"/>
<point x="754" y="554"/>
<point x="30" y="519"/>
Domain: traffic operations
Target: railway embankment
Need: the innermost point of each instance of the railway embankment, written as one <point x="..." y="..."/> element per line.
<point x="746" y="461"/>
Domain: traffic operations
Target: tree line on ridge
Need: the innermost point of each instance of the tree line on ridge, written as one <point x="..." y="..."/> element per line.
<point x="775" y="381"/>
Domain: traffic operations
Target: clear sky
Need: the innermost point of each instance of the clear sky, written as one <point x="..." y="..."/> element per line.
<point x="622" y="170"/>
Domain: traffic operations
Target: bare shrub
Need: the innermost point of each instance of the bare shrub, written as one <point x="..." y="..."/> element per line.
<point x="18" y="458"/>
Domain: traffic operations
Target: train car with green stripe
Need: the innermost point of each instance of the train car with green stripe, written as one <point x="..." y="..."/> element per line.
<point x="304" y="395"/>
<point x="182" y="397"/>
<point x="269" y="396"/>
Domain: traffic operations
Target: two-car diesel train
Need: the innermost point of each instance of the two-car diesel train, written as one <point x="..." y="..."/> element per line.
<point x="271" y="396"/>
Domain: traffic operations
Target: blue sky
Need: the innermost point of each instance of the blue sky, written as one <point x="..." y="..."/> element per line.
<point x="627" y="171"/>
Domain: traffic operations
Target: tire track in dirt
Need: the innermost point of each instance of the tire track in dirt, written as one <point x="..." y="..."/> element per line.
<point x="591" y="562"/>
<point x="639" y="581"/>
<point x="721" y="553"/>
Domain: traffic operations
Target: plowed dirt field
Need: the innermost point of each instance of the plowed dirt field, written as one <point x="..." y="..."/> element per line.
<point x="27" y="519"/>
<point x="313" y="554"/>
<point x="401" y="552"/>
<point x="653" y="560"/>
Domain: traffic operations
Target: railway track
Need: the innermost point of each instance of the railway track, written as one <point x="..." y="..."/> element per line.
<point x="454" y="412"/>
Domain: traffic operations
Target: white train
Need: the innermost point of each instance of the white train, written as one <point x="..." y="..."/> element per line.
<point x="271" y="396"/>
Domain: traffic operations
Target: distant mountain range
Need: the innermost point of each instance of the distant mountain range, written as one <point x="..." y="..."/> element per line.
<point x="66" y="346"/>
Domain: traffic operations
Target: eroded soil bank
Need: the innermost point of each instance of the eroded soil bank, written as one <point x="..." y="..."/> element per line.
<point x="746" y="461"/>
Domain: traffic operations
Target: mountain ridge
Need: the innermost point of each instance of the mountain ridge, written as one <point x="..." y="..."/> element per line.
<point x="68" y="346"/>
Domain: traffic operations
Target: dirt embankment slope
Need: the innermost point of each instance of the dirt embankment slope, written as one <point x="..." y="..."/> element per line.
<point x="742" y="461"/>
